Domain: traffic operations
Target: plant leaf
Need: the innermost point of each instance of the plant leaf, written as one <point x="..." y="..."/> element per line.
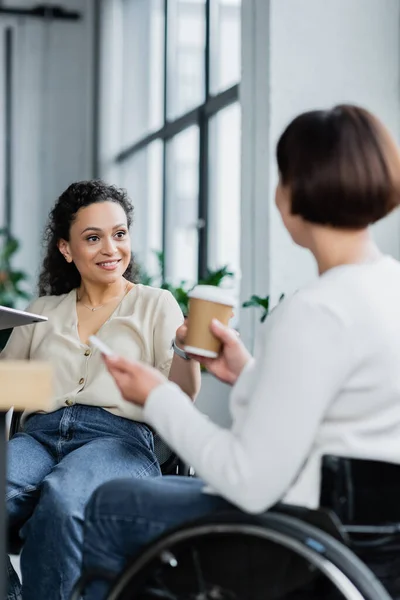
<point x="23" y="294"/>
<point x="17" y="276"/>
<point x="10" y="247"/>
<point x="216" y="277"/>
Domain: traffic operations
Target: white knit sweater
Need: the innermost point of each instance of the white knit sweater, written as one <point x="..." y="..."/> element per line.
<point x="325" y="379"/>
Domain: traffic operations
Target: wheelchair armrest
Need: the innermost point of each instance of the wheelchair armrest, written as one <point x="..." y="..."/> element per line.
<point x="361" y="492"/>
<point x="321" y="518"/>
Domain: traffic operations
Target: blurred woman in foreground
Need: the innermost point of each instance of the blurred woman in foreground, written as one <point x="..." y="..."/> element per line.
<point x="326" y="379"/>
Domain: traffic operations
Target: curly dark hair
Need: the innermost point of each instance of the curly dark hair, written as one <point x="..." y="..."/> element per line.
<point x="57" y="276"/>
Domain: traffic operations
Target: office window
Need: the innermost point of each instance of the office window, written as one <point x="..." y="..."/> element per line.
<point x="178" y="117"/>
<point x="142" y="174"/>
<point x="182" y="206"/>
<point x="224" y="189"/>
<point x="186" y="40"/>
<point x="224" y="44"/>
<point x="142" y="73"/>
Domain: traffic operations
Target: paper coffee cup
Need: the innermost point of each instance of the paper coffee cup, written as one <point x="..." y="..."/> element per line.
<point x="206" y="302"/>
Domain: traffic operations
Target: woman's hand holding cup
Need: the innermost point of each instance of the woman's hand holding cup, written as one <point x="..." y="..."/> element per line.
<point x="208" y="339"/>
<point x="233" y="356"/>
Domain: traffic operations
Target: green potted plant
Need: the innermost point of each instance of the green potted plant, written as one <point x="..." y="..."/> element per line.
<point x="181" y="291"/>
<point x="10" y="279"/>
<point x="261" y="302"/>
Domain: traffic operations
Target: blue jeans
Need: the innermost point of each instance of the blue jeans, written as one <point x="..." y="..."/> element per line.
<point x="123" y="516"/>
<point x="54" y="466"/>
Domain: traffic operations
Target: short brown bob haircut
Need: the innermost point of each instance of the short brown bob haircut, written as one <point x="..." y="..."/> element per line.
<point x="342" y="167"/>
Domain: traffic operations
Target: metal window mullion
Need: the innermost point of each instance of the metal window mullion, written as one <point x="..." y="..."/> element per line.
<point x="203" y="155"/>
<point x="203" y="195"/>
<point x="169" y="130"/>
<point x="41" y="11"/>
<point x="207" y="53"/>
<point x="164" y="142"/>
<point x="96" y="87"/>
<point x="164" y="208"/>
<point x="8" y="124"/>
<point x="222" y="100"/>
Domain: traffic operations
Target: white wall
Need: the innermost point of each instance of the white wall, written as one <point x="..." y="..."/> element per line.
<point x="213" y="400"/>
<point x="53" y="107"/>
<point x="309" y="54"/>
<point x="326" y="53"/>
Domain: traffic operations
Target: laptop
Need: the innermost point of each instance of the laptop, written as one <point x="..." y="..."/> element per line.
<point x="11" y="317"/>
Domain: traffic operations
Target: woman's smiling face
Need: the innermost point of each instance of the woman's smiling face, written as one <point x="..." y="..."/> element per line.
<point x="99" y="243"/>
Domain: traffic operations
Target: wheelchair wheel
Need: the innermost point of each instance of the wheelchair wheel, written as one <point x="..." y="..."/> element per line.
<point x="241" y="557"/>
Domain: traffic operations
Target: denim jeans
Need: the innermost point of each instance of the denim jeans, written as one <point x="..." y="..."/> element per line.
<point x="54" y="466"/>
<point x="123" y="516"/>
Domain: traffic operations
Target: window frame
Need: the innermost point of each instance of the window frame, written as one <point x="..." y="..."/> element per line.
<point x="200" y="115"/>
<point x="7" y="34"/>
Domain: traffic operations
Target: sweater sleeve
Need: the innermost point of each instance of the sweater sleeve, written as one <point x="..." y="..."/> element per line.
<point x="304" y="360"/>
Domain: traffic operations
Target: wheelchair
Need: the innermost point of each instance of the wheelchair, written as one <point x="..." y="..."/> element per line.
<point x="347" y="549"/>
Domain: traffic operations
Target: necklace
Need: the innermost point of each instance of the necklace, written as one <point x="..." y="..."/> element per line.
<point x="93" y="309"/>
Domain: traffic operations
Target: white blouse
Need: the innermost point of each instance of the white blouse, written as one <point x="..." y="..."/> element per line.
<point x="141" y="327"/>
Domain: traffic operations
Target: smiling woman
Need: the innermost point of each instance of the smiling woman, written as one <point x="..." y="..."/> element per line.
<point x="81" y="223"/>
<point x="91" y="435"/>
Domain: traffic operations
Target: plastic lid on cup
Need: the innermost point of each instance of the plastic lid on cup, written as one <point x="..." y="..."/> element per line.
<point x="212" y="293"/>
